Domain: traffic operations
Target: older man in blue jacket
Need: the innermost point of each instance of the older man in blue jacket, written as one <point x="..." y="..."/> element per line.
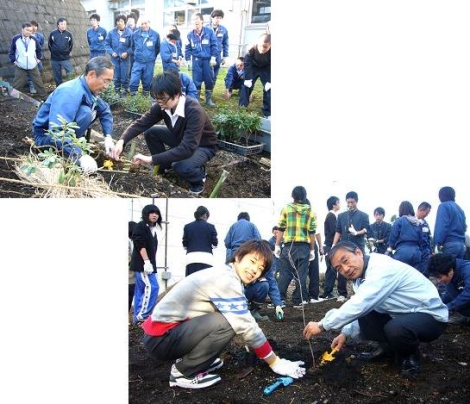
<point x="393" y="304"/>
<point x="77" y="101"/>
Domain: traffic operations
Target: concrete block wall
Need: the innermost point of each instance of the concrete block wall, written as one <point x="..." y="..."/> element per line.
<point x="46" y="12"/>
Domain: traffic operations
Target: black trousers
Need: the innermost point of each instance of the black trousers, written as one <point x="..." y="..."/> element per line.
<point x="197" y="342"/>
<point x="403" y="333"/>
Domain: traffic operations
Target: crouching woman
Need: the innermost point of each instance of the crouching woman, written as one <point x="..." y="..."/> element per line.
<point x="201" y="314"/>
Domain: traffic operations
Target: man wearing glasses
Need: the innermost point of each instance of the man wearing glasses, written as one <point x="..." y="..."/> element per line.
<point x="77" y="101"/>
<point x="186" y="141"/>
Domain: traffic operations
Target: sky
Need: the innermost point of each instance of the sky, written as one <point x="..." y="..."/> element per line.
<point x="371" y="96"/>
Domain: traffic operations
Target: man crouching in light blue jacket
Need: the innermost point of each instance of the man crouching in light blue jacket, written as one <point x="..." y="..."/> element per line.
<point x="77" y="101"/>
<point x="393" y="304"/>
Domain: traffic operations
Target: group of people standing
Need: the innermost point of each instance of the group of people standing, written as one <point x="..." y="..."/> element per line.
<point x="393" y="304"/>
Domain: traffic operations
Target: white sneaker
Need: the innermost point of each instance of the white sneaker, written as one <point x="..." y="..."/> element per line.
<point x="341" y="299"/>
<point x="316" y="300"/>
<point x="300" y="305"/>
<point x="199" y="381"/>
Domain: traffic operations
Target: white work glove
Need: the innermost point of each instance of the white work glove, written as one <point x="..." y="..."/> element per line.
<point x="248" y="83"/>
<point x="88" y="164"/>
<point x="148" y="267"/>
<point x="286" y="367"/>
<point x="279" y="313"/>
<point x="213" y="61"/>
<point x="352" y="230"/>
<point x="312" y="255"/>
<point x="213" y="246"/>
<point x="277" y="251"/>
<point x="108" y="144"/>
<point x="267" y="87"/>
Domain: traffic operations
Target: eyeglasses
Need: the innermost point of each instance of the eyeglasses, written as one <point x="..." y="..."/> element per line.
<point x="163" y="101"/>
<point x="105" y="81"/>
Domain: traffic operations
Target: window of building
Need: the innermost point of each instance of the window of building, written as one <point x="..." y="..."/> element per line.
<point x="261" y="11"/>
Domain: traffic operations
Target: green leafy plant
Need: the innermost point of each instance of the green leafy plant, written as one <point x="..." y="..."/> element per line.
<point x="110" y="95"/>
<point x="235" y="125"/>
<point x="69" y="172"/>
<point x="137" y="103"/>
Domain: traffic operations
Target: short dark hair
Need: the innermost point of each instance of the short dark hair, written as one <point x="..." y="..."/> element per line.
<point x="173" y="34"/>
<point x="146" y="210"/>
<point x="243" y="215"/>
<point x="99" y="64"/>
<point x="441" y="264"/>
<point x="379" y="211"/>
<point x="299" y="194"/>
<point x="342" y="245"/>
<point x="34" y="23"/>
<point x="446" y="194"/>
<point x="168" y="82"/>
<point x="424" y="206"/>
<point x="217" y="13"/>
<point x="61" y="19"/>
<point x="260" y="247"/>
<point x="331" y="201"/>
<point x="200" y="212"/>
<point x="26" y="25"/>
<point x="95" y="16"/>
<point x="120" y="17"/>
<point x="352" y="195"/>
<point x="405" y="209"/>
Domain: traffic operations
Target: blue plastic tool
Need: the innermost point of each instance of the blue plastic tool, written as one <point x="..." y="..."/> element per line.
<point x="281" y="381"/>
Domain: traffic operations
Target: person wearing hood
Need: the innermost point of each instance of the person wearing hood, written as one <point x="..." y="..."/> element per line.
<point x="297" y="226"/>
<point x="352" y="225"/>
<point x="144" y="262"/>
<point x="406" y="236"/>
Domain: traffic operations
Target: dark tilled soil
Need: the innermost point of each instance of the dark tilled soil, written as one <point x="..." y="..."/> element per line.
<point x="445" y="377"/>
<point x="248" y="177"/>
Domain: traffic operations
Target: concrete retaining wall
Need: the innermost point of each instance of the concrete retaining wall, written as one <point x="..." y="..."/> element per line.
<point x="46" y="12"/>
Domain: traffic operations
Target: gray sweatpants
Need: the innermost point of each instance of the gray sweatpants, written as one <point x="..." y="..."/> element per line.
<point x="197" y="342"/>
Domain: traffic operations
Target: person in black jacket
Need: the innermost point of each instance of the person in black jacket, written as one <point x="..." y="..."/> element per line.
<point x="143" y="262"/>
<point x="199" y="238"/>
<point x="258" y="65"/>
<point x="185" y="142"/>
<point x="60" y="44"/>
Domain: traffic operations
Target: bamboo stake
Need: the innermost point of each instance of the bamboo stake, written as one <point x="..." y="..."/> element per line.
<point x="222" y="178"/>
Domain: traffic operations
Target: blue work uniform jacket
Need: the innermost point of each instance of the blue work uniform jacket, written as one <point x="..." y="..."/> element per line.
<point x="145" y="45"/>
<point x="119" y="43"/>
<point x="203" y="45"/>
<point x="96" y="40"/>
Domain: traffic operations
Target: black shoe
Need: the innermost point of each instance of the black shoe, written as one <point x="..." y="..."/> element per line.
<point x="381" y="352"/>
<point x="196" y="188"/>
<point x="411" y="365"/>
<point x="457" y="318"/>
